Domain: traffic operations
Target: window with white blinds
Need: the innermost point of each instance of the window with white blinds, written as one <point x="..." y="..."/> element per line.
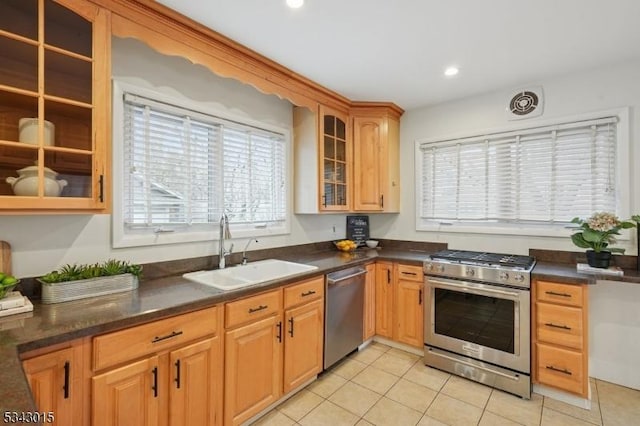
<point x="533" y="176"/>
<point x="183" y="168"/>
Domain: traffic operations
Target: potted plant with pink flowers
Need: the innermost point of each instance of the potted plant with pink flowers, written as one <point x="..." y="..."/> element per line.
<point x="597" y="233"/>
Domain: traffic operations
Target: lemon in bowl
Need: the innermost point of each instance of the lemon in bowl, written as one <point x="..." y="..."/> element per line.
<point x="7" y="284"/>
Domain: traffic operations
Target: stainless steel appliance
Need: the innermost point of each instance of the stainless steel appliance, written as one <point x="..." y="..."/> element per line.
<point x="343" y="325"/>
<point x="477" y="321"/>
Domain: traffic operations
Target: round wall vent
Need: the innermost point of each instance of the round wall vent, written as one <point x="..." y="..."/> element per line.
<point x="525" y="103"/>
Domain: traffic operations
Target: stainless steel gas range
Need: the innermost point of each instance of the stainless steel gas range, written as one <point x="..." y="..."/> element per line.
<point x="477" y="321"/>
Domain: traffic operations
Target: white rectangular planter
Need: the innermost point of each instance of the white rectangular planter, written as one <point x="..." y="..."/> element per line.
<point x="81" y="289"/>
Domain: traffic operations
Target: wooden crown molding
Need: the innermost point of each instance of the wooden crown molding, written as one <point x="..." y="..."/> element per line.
<point x="169" y="32"/>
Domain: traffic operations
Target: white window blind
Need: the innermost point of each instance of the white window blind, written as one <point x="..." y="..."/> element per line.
<point x="540" y="175"/>
<point x="184" y="168"/>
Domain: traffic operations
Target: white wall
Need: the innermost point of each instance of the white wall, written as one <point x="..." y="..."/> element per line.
<point x="590" y="91"/>
<point x="42" y="243"/>
<point x="614" y="332"/>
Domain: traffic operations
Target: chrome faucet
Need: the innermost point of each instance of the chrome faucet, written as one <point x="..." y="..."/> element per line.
<point x="224" y="234"/>
<point x="245" y="259"/>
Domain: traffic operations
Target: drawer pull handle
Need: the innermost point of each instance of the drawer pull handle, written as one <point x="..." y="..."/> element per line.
<point x="65" y="387"/>
<point x="168" y="336"/>
<point x="291" y="324"/>
<point x="177" y="379"/>
<point x="555" y="293"/>
<point x="259" y="308"/>
<point x="308" y="293"/>
<point x="420" y="297"/>
<point x="154" y="385"/>
<point x="550" y="324"/>
<point x="279" y="335"/>
<point x="409" y="273"/>
<point x="559" y="370"/>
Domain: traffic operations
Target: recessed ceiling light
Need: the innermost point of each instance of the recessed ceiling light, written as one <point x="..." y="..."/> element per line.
<point x="451" y="71"/>
<point x="294" y="4"/>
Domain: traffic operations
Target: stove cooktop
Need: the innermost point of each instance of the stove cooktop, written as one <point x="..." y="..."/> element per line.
<point x="483" y="258"/>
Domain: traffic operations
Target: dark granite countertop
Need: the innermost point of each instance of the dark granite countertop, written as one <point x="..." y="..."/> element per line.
<point x="171" y="295"/>
<point x="154" y="299"/>
<point x="567" y="274"/>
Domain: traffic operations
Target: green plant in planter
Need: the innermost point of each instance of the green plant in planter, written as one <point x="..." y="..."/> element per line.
<point x="80" y="272"/>
<point x="598" y="231"/>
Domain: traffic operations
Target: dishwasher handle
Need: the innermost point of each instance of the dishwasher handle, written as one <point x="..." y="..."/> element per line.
<point x="339" y="279"/>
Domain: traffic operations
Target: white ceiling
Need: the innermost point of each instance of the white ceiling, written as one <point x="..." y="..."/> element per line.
<point x="397" y="50"/>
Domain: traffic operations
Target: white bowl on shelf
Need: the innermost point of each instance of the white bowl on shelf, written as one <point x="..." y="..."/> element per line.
<point x="26" y="184"/>
<point x="371" y="243"/>
<point x="28" y="131"/>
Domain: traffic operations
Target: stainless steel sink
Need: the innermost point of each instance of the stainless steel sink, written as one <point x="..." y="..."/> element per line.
<point x="236" y="277"/>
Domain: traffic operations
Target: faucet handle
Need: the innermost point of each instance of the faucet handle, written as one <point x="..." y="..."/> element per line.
<point x="230" y="249"/>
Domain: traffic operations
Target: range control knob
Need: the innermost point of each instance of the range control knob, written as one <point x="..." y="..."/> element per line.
<point x="440" y="268"/>
<point x="428" y="267"/>
<point x="504" y="275"/>
<point x="470" y="271"/>
<point x="519" y="278"/>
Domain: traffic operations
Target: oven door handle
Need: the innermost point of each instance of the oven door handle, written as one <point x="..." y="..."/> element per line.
<point x="467" y="287"/>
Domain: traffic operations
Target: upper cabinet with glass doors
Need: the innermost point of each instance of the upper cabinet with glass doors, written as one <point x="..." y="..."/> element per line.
<point x="54" y="113"/>
<point x="322" y="160"/>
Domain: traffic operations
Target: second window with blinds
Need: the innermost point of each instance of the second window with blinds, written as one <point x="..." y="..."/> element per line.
<point x="529" y="181"/>
<point x="182" y="167"/>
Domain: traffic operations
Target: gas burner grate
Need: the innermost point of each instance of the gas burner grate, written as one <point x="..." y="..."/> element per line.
<point x="483" y="258"/>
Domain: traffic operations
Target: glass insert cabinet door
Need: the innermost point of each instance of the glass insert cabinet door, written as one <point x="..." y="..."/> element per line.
<point x="335" y="157"/>
<point x="49" y="151"/>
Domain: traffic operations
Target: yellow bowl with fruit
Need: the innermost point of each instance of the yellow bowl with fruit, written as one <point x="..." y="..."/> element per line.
<point x="7" y="284"/>
<point x="345" y="245"/>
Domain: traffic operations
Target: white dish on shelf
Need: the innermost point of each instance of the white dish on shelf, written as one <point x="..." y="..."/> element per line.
<point x="26" y="184"/>
<point x="28" y="131"/>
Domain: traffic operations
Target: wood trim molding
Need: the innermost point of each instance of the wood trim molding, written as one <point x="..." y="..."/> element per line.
<point x="381" y="109"/>
<point x="171" y="33"/>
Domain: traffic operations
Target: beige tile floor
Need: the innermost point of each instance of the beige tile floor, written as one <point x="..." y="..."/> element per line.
<point x="386" y="386"/>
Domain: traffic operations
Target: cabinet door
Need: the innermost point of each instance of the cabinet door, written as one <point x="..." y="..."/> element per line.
<point x="369" y="163"/>
<point x="128" y="395"/>
<point x="370" y="302"/>
<point x="253" y="368"/>
<point x="195" y="386"/>
<point x="55" y="92"/>
<point x="335" y="161"/>
<point x="408" y="313"/>
<point x="384" y="299"/>
<point x="51" y="377"/>
<point x="303" y="346"/>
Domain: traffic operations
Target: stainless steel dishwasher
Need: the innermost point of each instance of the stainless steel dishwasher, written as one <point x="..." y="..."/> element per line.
<point x="343" y="324"/>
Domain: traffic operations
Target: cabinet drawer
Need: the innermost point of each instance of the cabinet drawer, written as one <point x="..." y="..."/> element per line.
<point x="303" y="292"/>
<point x="135" y="342"/>
<point x="410" y="273"/>
<point x="561" y="325"/>
<point x="564" y="294"/>
<point x="561" y="368"/>
<point x="252" y="308"/>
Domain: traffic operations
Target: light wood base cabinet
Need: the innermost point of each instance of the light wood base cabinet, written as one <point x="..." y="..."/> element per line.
<point x="384" y="299"/>
<point x="253" y="368"/>
<point x="303" y="346"/>
<point x="370" y="302"/>
<point x="178" y="382"/>
<point x="409" y="307"/>
<point x="560" y="336"/>
<point x="128" y="395"/>
<point x="58" y="382"/>
<point x="400" y="303"/>
<point x="273" y="344"/>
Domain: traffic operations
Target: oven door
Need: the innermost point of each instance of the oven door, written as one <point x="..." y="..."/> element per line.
<point x="482" y="321"/>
